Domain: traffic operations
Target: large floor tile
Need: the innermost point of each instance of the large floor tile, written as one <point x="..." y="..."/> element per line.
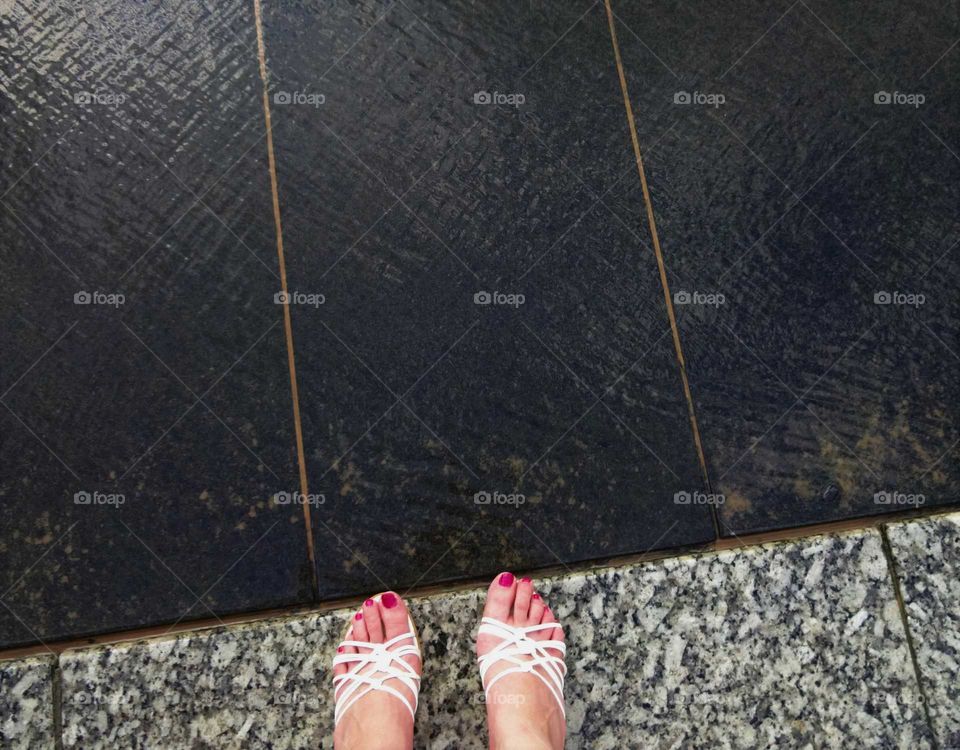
<point x="144" y="361"/>
<point x="792" y="645"/>
<point x="26" y="704"/>
<point x="789" y="203"/>
<point x="927" y="555"/>
<point x="489" y="325"/>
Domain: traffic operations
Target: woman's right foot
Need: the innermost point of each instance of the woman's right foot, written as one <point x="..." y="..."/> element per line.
<point x="522" y="712"/>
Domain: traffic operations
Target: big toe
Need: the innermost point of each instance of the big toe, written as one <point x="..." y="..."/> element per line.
<point x="396" y="620"/>
<point x="500" y="597"/>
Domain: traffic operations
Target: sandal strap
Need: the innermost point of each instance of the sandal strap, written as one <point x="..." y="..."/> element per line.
<point x="388" y="662"/>
<point x="515" y="642"/>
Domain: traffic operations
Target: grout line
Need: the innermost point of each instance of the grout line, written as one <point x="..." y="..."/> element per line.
<point x="658" y="252"/>
<point x="57" y="696"/>
<point x="287" y="322"/>
<point x="582" y="567"/>
<point x="911" y="647"/>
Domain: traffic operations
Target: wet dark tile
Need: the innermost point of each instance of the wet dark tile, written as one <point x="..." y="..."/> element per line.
<point x="784" y="210"/>
<point x="136" y="178"/>
<point x="404" y="196"/>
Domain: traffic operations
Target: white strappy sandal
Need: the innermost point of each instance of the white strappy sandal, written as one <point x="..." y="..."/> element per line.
<point x="389" y="664"/>
<point x="516" y="643"/>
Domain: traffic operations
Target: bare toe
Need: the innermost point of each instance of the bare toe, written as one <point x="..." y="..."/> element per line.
<point x="500" y="597"/>
<point x="371" y="617"/>
<point x="521" y="604"/>
<point x="359" y="629"/>
<point x="396" y="621"/>
<point x="537" y="608"/>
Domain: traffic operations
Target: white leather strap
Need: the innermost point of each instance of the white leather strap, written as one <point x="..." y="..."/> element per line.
<point x="388" y="664"/>
<point x="525" y="654"/>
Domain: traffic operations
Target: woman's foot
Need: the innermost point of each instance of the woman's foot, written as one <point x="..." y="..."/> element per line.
<point x="522" y="711"/>
<point x="379" y="720"/>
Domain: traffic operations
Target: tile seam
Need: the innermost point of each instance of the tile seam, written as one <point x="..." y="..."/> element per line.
<point x="908" y="634"/>
<point x="287" y="320"/>
<point x="661" y="266"/>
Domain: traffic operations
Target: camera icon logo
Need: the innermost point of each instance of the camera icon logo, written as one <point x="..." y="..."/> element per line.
<point x="682" y="498"/>
<point x="283" y="498"/>
<point x="682" y="97"/>
<point x="883" y="97"/>
<point x="282" y="97"/>
<point x="482" y="498"/>
<point x="482" y="97"/>
<point x="281" y="298"/>
<point x="82" y="97"/>
<point x="682" y="298"/>
<point x="482" y="298"/>
<point x="82" y="298"/>
<point x="883" y="498"/>
<point x="882" y="298"/>
<point x="82" y="498"/>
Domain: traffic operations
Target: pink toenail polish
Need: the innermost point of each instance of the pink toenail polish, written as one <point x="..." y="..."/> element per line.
<point x="368" y="603"/>
<point x="535" y="596"/>
<point x="524" y="580"/>
<point x="339" y="649"/>
<point x="506" y="579"/>
<point x="358" y="616"/>
<point x="389" y="600"/>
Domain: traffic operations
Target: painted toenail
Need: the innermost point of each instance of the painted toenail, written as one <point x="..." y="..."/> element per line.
<point x="358" y="616"/>
<point x="389" y="600"/>
<point x="524" y="580"/>
<point x="506" y="579"/>
<point x="339" y="649"/>
<point x="535" y="596"/>
<point x="368" y="603"/>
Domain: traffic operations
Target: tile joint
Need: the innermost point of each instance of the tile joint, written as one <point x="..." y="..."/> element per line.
<point x="911" y="646"/>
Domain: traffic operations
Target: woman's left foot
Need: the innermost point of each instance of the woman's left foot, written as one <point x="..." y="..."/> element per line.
<point x="524" y="708"/>
<point x="379" y="720"/>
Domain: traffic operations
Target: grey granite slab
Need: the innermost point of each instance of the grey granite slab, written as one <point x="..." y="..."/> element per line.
<point x="790" y="645"/>
<point x="26" y="703"/>
<point x="927" y="555"/>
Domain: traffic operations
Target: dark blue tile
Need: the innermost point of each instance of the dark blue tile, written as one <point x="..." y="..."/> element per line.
<point x="404" y="196"/>
<point x="135" y="176"/>
<point x="798" y="198"/>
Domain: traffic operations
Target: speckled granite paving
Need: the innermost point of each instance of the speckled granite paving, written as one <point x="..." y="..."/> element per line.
<point x="927" y="557"/>
<point x="26" y="700"/>
<point x="790" y="645"/>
